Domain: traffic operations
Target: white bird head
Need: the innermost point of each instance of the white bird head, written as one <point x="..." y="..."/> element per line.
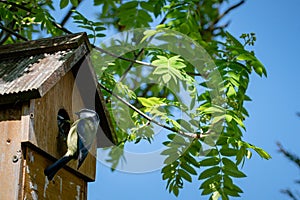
<point x="85" y="113"/>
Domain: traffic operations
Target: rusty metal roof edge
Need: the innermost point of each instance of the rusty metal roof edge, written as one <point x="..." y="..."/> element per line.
<point x="19" y="97"/>
<point x="66" y="66"/>
<point x="44" y="45"/>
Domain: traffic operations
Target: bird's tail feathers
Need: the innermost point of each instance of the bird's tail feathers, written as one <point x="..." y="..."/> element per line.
<point x="53" y="169"/>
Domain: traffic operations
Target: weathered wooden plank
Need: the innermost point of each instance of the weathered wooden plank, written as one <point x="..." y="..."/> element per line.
<point x="65" y="185"/>
<point x="10" y="152"/>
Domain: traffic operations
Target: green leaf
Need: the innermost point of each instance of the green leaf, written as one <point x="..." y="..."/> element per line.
<point x="100" y="35"/>
<point x="90" y="36"/>
<point x="74" y="3"/>
<point x="228" y="163"/>
<point x="185" y="175"/>
<point x="169" y="151"/>
<point x="166" y="78"/>
<point x="176" y="139"/>
<point x="225" y="151"/>
<point x="175" y="191"/>
<point x="86" y="27"/>
<point x="184" y="28"/>
<point x="234" y="40"/>
<point x="257" y="65"/>
<point x="129" y="5"/>
<point x="161" y="70"/>
<point x="214" y="109"/>
<point x="246" y="56"/>
<point x="212" y="152"/>
<point x="150" y="102"/>
<point x="147" y="6"/>
<point x="63" y="3"/>
<point x="169" y="168"/>
<point x="240" y="155"/>
<point x="234" y="172"/>
<point x="148" y="33"/>
<point x="187" y="126"/>
<point x="171" y="158"/>
<point x="228" y="183"/>
<point x="239" y="121"/>
<point x="210" y="161"/>
<point x="216" y="179"/>
<point x="231" y="192"/>
<point x="188" y="168"/>
<point x="209" y="172"/>
<point x="228" y="118"/>
<point x="100" y="28"/>
<point x="207" y="191"/>
<point x="262" y="153"/>
<point x="259" y="68"/>
<point x="190" y="159"/>
<point x="231" y="91"/>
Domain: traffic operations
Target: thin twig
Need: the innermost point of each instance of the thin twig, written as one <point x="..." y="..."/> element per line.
<point x="131" y="64"/>
<point x="192" y="135"/>
<point x="13" y="33"/>
<point x="61" y="27"/>
<point x="123" y="58"/>
<point x="16" y="5"/>
<point x="225" y="13"/>
<point x="289" y="193"/>
<point x="69" y="13"/>
<point x="6" y="36"/>
<point x="135" y="61"/>
<point x="290" y="156"/>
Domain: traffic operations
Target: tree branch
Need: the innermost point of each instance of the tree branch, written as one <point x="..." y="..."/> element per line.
<point x="290" y="156"/>
<point x="135" y="61"/>
<point x="69" y="13"/>
<point x="6" y="36"/>
<point x="16" y="5"/>
<point x="289" y="193"/>
<point x="13" y="33"/>
<point x="211" y="27"/>
<point x="131" y="64"/>
<point x="61" y="27"/>
<point x="123" y="58"/>
<point x="191" y="135"/>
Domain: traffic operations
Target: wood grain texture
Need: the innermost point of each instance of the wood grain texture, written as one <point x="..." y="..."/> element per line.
<point x="10" y="152"/>
<point x="64" y="185"/>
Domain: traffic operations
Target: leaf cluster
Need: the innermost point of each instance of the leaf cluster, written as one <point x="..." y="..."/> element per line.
<point x="200" y="102"/>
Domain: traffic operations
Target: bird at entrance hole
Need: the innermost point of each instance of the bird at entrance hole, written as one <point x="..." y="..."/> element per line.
<point x="79" y="140"/>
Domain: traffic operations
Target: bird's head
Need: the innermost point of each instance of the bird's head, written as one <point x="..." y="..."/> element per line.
<point x="85" y="113"/>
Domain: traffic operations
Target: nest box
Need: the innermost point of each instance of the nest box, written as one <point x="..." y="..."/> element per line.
<point x="39" y="80"/>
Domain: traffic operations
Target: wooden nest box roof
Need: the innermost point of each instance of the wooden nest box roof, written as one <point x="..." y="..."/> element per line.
<point x="29" y="70"/>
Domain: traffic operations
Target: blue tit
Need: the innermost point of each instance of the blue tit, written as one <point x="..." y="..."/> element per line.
<point x="80" y="139"/>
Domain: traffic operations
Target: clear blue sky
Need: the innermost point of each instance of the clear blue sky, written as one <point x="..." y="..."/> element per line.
<point x="276" y="99"/>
